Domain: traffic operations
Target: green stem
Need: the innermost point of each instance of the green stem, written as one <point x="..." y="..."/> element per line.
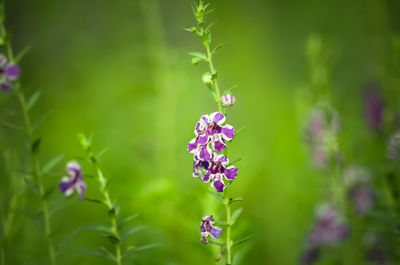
<point x="114" y="225"/>
<point x="228" y="234"/>
<point x="212" y="69"/>
<point x="38" y="175"/>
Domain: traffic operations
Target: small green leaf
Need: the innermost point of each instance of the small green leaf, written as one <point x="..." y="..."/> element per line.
<point x="113" y="238"/>
<point x="97" y="253"/>
<point x="94" y="201"/>
<point x="231" y="89"/>
<point x="127" y="233"/>
<point x="219" y="46"/>
<point x="146" y="247"/>
<point x="236" y="215"/>
<point x="216" y="195"/>
<point x="242" y="241"/>
<point x="11" y="126"/>
<point x="22" y="53"/>
<point x="234" y="161"/>
<point x="199" y="55"/>
<point x="128" y="219"/>
<point x="35" y="146"/>
<point x="99" y="228"/>
<point x="31" y="102"/>
<point x="237" y="199"/>
<point x="42" y="120"/>
<point x="52" y="163"/>
<point x="32" y="186"/>
<point x="102" y="152"/>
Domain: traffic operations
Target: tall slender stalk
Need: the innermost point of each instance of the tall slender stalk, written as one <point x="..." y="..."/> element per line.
<point x="107" y="201"/>
<point x="36" y="169"/>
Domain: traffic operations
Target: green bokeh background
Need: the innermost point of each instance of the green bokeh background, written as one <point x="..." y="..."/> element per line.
<point x="121" y="70"/>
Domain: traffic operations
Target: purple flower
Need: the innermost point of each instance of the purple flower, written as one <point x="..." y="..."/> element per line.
<point x="362" y="197"/>
<point x="215" y="170"/>
<point x="74" y="180"/>
<point x="373" y="108"/>
<point x="321" y="136"/>
<point x="207" y="229"/>
<point x="210" y="131"/>
<point x="9" y="72"/>
<point x="228" y="100"/>
<point x="393" y="149"/>
<point x="330" y="228"/>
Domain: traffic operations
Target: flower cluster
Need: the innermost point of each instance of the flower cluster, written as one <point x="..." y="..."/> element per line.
<point x="330" y="229"/>
<point x="9" y="72"/>
<point x="211" y="137"/>
<point x="360" y="193"/>
<point x="207" y="229"/>
<point x="321" y="136"/>
<point x="74" y="180"/>
<point x="373" y="108"/>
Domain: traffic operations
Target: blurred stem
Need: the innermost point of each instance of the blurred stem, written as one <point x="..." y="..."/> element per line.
<point x="393" y="187"/>
<point x="111" y="210"/>
<point x="228" y="233"/>
<point x="212" y="69"/>
<point x="37" y="171"/>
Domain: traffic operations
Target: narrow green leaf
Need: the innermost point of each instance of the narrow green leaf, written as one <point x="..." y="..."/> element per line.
<point x="11" y="126"/>
<point x="94" y="201"/>
<point x="102" y="152"/>
<point x="32" y="186"/>
<point x="128" y="219"/>
<point x="42" y="120"/>
<point x="129" y="232"/>
<point x="234" y="161"/>
<point x="146" y="247"/>
<point x="218" y="47"/>
<point x="49" y="165"/>
<point x="242" y="241"/>
<point x="199" y="55"/>
<point x="22" y="53"/>
<point x="99" y="228"/>
<point x="236" y="215"/>
<point x="31" y="102"/>
<point x="216" y="195"/>
<point x="231" y="89"/>
<point x="97" y="253"/>
<point x="237" y="199"/>
<point x="113" y="238"/>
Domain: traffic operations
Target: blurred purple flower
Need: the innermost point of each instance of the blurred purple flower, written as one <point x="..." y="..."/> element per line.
<point x="330" y="228"/>
<point x="207" y="229"/>
<point x="74" y="180"/>
<point x="362" y="197"/>
<point x="373" y="108"/>
<point x="215" y="170"/>
<point x="228" y="100"/>
<point x="9" y="72"/>
<point x="393" y="149"/>
<point x="357" y="180"/>
<point x="321" y="136"/>
<point x="210" y="131"/>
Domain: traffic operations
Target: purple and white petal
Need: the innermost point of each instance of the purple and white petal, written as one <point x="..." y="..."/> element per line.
<point x="215" y="232"/>
<point x="192" y="146"/>
<point x="204" y="153"/>
<point x="218" y="143"/>
<point x="217" y="117"/>
<point x="67" y="186"/>
<point x="231" y="172"/>
<point x="218" y="183"/>
<point x="228" y="132"/>
<point x="12" y="72"/>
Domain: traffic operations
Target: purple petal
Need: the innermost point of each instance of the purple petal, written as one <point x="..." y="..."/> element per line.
<point x="202" y="139"/>
<point x="217" y="117"/>
<point x="219" y="145"/>
<point x="215" y="232"/>
<point x="218" y="184"/>
<point x="231" y="172"/>
<point x="5" y="86"/>
<point x="228" y="132"/>
<point x="192" y="146"/>
<point x="12" y="72"/>
<point x="206" y="177"/>
<point x="205" y="153"/>
<point x="67" y="186"/>
<point x="80" y="188"/>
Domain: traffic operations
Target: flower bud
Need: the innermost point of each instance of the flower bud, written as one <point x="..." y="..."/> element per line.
<point x="207" y="79"/>
<point x="195" y="60"/>
<point x="228" y="100"/>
